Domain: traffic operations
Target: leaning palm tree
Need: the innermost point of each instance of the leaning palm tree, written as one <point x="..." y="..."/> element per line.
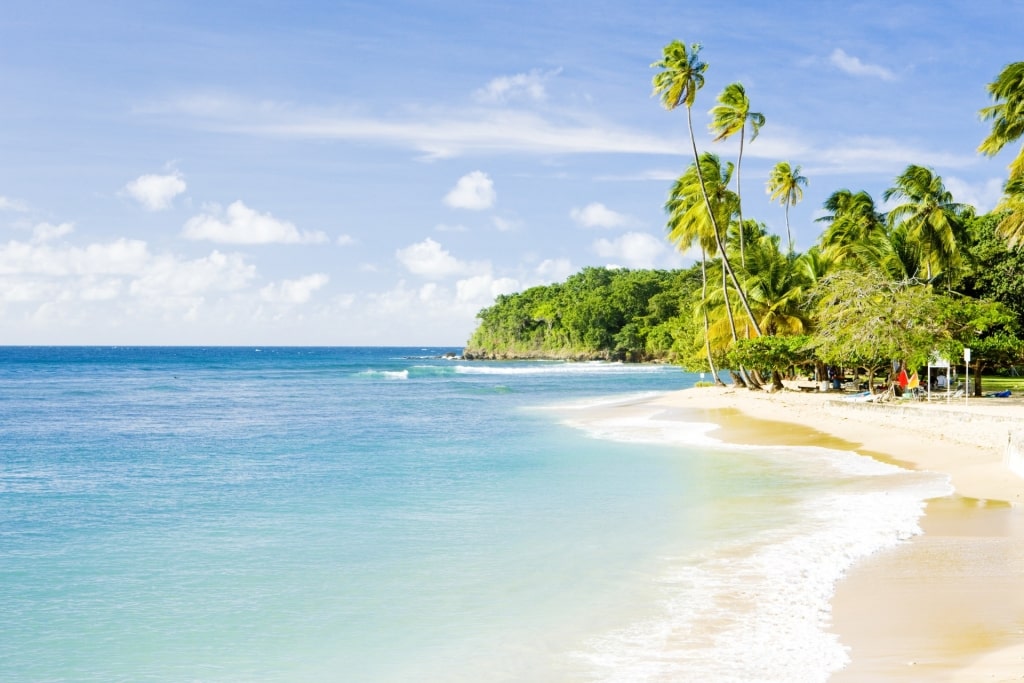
<point x="728" y="117"/>
<point x="681" y="77"/>
<point x="689" y="219"/>
<point x="1006" y="115"/>
<point x="931" y="218"/>
<point x="686" y="227"/>
<point x="784" y="183"/>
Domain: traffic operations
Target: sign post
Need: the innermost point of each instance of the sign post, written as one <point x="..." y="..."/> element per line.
<point x="967" y="373"/>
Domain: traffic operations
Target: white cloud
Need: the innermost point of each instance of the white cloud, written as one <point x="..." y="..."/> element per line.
<point x="120" y="257"/>
<point x="597" y="215"/>
<point x="345" y="240"/>
<point x="982" y="196"/>
<point x="156" y="192"/>
<point x="8" y="204"/>
<point x="294" y="291"/>
<point x="67" y="282"/>
<point x="529" y="86"/>
<point x="474" y="191"/>
<point x="853" y="66"/>
<point x="439" y="133"/>
<point x="429" y="259"/>
<point x="555" y="270"/>
<point x="242" y="225"/>
<point x="634" y="249"/>
<point x="44" y="232"/>
<point x="481" y="290"/>
<point x="169" y="280"/>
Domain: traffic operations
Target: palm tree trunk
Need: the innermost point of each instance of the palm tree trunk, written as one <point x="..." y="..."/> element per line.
<point x="704" y="310"/>
<point x="739" y="195"/>
<point x="714" y="227"/>
<point x="789" y="234"/>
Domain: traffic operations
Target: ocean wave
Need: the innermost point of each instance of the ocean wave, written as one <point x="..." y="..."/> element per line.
<point x="384" y="374"/>
<point x="758" y="610"/>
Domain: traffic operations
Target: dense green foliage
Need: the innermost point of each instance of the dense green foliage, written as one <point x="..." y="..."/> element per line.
<point x="634" y="315"/>
<point x="877" y="290"/>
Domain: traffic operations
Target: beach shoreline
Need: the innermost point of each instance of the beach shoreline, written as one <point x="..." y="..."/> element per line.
<point x="946" y="604"/>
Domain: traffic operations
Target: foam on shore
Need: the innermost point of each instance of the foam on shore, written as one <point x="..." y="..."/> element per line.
<point x="757" y="605"/>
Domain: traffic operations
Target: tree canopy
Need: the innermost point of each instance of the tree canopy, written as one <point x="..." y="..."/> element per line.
<point x="877" y="288"/>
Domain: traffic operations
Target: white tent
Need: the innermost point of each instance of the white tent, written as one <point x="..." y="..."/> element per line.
<point x="937" y="361"/>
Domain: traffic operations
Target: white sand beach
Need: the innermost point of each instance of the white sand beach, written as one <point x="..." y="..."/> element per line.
<point x="948" y="604"/>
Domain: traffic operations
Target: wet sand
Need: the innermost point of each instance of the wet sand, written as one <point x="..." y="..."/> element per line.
<point x="948" y="605"/>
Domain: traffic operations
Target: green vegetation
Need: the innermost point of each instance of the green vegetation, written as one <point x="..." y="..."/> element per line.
<point x="876" y="292"/>
<point x="633" y="315"/>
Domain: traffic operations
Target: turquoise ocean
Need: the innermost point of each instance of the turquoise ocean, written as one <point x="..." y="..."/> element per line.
<point x="389" y="514"/>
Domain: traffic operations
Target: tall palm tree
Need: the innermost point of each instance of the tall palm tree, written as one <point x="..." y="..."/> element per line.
<point x="689" y="221"/>
<point x="682" y="75"/>
<point x="931" y="218"/>
<point x="1006" y="115"/>
<point x="855" y="227"/>
<point x="728" y="117"/>
<point x="784" y="186"/>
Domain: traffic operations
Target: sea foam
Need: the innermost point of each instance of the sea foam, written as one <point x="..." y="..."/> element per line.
<point x="757" y="607"/>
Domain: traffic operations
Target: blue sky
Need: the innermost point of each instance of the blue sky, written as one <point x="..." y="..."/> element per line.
<point x="348" y="173"/>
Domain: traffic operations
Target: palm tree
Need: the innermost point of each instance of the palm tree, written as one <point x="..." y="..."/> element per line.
<point x="1006" y="115"/>
<point x="777" y="285"/>
<point x="855" y="227"/>
<point x="784" y="183"/>
<point x="690" y="222"/>
<point x="1011" y="227"/>
<point x="681" y="77"/>
<point x="728" y="117"/>
<point x="931" y="218"/>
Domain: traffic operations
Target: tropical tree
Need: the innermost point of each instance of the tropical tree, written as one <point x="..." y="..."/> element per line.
<point x="784" y="186"/>
<point x="777" y="285"/>
<point x="681" y="76"/>
<point x="1011" y="206"/>
<point x="855" y="228"/>
<point x="931" y="218"/>
<point x="728" y="117"/>
<point x="1006" y="115"/>
<point x="689" y="222"/>
<point x="865" y="318"/>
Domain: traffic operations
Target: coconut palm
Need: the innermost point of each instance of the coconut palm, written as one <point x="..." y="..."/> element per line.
<point x="777" y="285"/>
<point x="690" y="222"/>
<point x="931" y="218"/>
<point x="1006" y="115"/>
<point x="728" y="117"/>
<point x="684" y="230"/>
<point x="855" y="227"/>
<point x="1011" y="227"/>
<point x="784" y="186"/>
<point x="681" y="76"/>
